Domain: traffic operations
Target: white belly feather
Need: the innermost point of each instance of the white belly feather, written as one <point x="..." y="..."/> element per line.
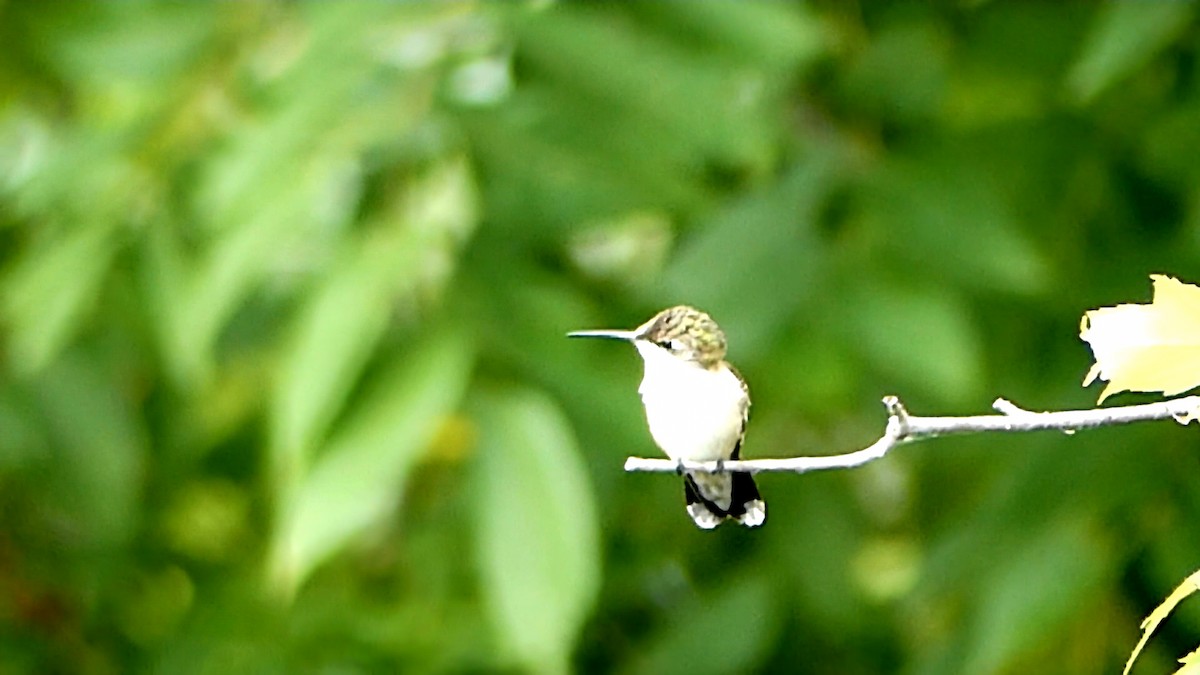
<point x="693" y="413"/>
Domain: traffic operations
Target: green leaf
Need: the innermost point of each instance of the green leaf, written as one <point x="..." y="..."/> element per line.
<point x="706" y="105"/>
<point x="361" y="475"/>
<point x="25" y="439"/>
<point x="536" y="526"/>
<point x="939" y="203"/>
<point x="1123" y="38"/>
<point x="48" y="294"/>
<point x="923" y="337"/>
<point x="1029" y="596"/>
<point x="97" y="452"/>
<point x="771" y="233"/>
<point x="110" y="45"/>
<point x="902" y="73"/>
<point x="209" y="292"/>
<point x="726" y="632"/>
<point x="763" y="34"/>
<point x="332" y="340"/>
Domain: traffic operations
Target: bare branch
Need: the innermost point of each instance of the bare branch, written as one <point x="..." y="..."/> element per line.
<point x="905" y="428"/>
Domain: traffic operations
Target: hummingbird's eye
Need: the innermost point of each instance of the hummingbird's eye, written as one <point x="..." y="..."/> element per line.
<point x="668" y="345"/>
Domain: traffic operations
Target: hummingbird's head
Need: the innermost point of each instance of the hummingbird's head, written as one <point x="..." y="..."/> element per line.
<point x="684" y="332"/>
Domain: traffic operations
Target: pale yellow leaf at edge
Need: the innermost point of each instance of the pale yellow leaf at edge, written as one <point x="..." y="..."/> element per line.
<point x="1189" y="586"/>
<point x="1154" y="347"/>
<point x="1191" y="664"/>
<point x="1181" y="300"/>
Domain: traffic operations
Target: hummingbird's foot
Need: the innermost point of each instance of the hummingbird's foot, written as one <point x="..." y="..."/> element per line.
<point x="720" y="466"/>
<point x="679" y="467"/>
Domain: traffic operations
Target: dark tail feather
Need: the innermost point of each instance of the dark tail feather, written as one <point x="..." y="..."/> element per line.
<point x="746" y="506"/>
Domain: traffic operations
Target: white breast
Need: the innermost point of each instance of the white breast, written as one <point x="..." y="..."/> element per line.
<point x="694" y="413"/>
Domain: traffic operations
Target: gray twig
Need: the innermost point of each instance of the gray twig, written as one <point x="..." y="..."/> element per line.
<point x="905" y="428"/>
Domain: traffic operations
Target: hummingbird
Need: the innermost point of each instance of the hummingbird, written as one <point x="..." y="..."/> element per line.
<point x="697" y="407"/>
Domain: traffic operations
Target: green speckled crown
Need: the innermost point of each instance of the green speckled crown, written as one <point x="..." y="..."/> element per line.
<point x="689" y="333"/>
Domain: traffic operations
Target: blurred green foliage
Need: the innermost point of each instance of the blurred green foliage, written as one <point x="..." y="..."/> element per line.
<point x="283" y="289"/>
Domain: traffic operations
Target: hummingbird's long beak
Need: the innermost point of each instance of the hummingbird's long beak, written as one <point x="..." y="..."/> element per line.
<point x="629" y="335"/>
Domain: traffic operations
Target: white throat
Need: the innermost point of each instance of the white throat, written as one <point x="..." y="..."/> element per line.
<point x="693" y="413"/>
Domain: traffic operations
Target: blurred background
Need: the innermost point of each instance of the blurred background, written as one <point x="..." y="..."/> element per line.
<point x="283" y="291"/>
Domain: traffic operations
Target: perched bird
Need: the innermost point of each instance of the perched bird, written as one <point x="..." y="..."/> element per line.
<point x="696" y="406"/>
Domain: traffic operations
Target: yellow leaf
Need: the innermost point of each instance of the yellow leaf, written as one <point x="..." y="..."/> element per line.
<point x="1191" y="664"/>
<point x="1153" y="347"/>
<point x="1189" y="586"/>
